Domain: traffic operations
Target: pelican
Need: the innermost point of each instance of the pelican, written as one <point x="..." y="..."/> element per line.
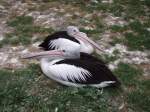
<point x="72" y="68"/>
<point x="71" y="39"/>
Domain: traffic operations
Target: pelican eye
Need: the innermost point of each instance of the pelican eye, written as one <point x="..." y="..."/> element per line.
<point x="64" y="50"/>
<point x="74" y="30"/>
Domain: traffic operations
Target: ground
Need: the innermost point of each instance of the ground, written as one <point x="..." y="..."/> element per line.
<point x="121" y="28"/>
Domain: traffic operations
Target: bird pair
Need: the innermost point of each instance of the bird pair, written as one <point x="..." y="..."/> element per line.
<point x="67" y="60"/>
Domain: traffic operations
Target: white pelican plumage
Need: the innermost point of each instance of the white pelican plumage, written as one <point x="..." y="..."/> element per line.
<point x="71" y="39"/>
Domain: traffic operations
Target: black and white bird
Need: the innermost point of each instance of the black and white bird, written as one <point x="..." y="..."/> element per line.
<point x="71" y="39"/>
<point x="77" y="69"/>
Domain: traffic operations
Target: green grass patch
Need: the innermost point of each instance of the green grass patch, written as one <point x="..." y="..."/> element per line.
<point x="117" y="28"/>
<point x="128" y="75"/>
<point x="83" y="99"/>
<point x="138" y="95"/>
<point x="109" y="59"/>
<point x="138" y="39"/>
<point x="117" y="40"/>
<point x="137" y="42"/>
<point x="145" y="86"/>
<point x="139" y="101"/>
<point x="20" y="20"/>
<point x="24" y="30"/>
<point x="13" y="88"/>
<point x="128" y="9"/>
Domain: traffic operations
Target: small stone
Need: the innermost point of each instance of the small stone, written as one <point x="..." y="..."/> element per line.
<point x="2" y="7"/>
<point x="36" y="44"/>
<point x="94" y="1"/>
<point x="148" y="29"/>
<point x="14" y="60"/>
<point x="1" y="37"/>
<point x="121" y="106"/>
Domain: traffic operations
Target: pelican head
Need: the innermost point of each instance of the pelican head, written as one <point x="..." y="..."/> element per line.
<point x="74" y="32"/>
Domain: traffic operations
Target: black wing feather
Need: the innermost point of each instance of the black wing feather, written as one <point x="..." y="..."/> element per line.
<point x="99" y="71"/>
<point x="85" y="56"/>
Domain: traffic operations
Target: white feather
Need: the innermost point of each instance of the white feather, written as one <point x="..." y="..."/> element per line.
<point x="68" y="72"/>
<point x="64" y="71"/>
<point x="62" y="43"/>
<point x="86" y="47"/>
<point x="102" y="84"/>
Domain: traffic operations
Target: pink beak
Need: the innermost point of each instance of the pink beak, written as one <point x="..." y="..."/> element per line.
<point x="84" y="38"/>
<point x="44" y="53"/>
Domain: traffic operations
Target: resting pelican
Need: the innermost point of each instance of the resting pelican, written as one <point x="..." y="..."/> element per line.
<point x="71" y="39"/>
<point x="72" y="68"/>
